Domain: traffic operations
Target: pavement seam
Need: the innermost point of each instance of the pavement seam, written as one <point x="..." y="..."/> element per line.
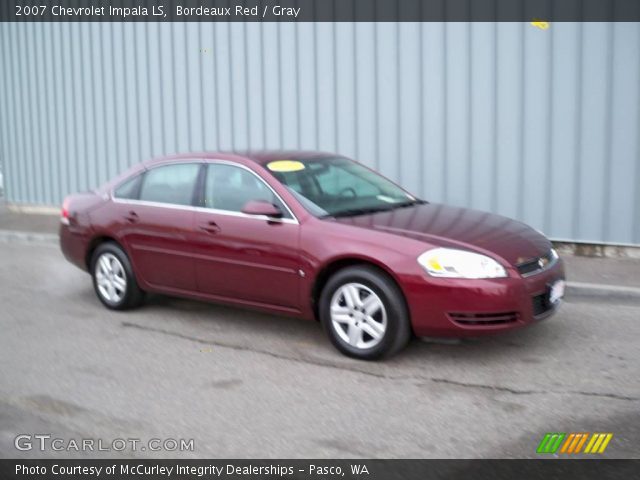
<point x="248" y="349"/>
<point x="614" y="396"/>
<point x="308" y="361"/>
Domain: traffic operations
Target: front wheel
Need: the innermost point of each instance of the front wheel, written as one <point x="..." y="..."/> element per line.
<point x="113" y="278"/>
<point x="363" y="312"/>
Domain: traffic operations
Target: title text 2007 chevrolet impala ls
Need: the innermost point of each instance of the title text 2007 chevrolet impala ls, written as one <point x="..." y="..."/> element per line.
<point x="314" y="235"/>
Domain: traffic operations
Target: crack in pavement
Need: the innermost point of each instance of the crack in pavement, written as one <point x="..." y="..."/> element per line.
<point x="304" y="360"/>
<point x="336" y="366"/>
<point x="532" y="392"/>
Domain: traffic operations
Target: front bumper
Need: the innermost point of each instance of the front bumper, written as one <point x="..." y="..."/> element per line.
<point x="463" y="307"/>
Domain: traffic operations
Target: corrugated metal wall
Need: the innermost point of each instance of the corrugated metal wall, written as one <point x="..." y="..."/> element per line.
<point x="542" y="125"/>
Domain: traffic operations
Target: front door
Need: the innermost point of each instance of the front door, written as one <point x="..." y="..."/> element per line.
<point x="243" y="257"/>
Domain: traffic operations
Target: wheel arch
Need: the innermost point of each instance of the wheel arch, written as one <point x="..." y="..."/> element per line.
<point x="95" y="243"/>
<point x="336" y="264"/>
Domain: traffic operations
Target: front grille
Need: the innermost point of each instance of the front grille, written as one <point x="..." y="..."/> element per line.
<point x="540" y="304"/>
<point x="482" y="319"/>
<point x="535" y="265"/>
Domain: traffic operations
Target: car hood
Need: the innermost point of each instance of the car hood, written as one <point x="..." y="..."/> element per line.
<point x="455" y="227"/>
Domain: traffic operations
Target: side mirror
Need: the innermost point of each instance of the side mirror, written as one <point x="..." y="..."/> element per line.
<point x="260" y="207"/>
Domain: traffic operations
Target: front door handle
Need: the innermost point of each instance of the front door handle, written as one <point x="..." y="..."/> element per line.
<point x="210" y="227"/>
<point x="131" y="217"/>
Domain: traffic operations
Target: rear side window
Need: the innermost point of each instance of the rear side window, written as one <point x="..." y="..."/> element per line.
<point x="128" y="190"/>
<point x="170" y="184"/>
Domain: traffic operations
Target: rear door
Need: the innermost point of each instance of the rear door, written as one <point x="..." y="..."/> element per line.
<point x="245" y="257"/>
<point x="158" y="226"/>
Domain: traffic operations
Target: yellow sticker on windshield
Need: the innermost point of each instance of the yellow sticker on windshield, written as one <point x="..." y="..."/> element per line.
<point x="285" y="166"/>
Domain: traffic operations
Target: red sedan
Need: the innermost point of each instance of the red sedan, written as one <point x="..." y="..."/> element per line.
<point x="313" y="235"/>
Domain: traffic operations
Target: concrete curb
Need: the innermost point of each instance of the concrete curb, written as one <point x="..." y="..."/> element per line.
<point x="602" y="291"/>
<point x="33" y="209"/>
<point x="574" y="289"/>
<point x="594" y="250"/>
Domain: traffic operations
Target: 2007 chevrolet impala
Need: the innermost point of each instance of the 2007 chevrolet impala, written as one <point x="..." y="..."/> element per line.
<point x="314" y="235"/>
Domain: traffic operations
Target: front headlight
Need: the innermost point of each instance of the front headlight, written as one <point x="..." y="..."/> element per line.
<point x="450" y="263"/>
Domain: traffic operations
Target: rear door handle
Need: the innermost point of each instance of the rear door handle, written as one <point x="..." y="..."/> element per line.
<point x="210" y="227"/>
<point x="131" y="217"/>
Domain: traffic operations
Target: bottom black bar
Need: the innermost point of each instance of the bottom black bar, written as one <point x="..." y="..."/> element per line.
<point x="321" y="469"/>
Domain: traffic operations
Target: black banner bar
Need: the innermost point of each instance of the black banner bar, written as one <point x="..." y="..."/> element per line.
<point x="319" y="10"/>
<point x="321" y="469"/>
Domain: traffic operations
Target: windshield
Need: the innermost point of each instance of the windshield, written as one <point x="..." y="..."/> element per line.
<point x="338" y="187"/>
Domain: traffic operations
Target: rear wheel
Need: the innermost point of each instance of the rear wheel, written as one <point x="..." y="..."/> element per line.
<point x="363" y="312"/>
<point x="113" y="278"/>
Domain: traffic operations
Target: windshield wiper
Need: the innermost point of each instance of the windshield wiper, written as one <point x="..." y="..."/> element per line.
<point x="409" y="203"/>
<point x="351" y="212"/>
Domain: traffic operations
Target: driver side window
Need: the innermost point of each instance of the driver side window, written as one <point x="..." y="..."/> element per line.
<point x="229" y="188"/>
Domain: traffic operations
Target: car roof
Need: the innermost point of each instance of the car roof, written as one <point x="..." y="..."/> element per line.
<point x="260" y="157"/>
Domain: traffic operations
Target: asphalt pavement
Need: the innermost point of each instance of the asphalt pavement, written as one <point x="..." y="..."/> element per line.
<point x="243" y="384"/>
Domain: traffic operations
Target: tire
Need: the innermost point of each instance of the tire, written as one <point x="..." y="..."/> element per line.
<point x="113" y="278"/>
<point x="360" y="302"/>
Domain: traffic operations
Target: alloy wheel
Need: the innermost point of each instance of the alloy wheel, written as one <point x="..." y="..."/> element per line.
<point x="358" y="315"/>
<point x="111" y="278"/>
